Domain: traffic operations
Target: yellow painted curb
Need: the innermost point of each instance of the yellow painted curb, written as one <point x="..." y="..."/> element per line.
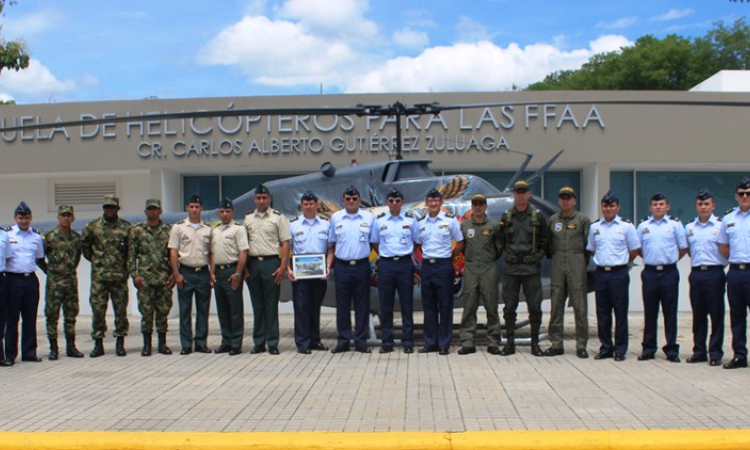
<point x="320" y="440"/>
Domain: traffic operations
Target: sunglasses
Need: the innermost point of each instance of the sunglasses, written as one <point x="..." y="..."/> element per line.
<point x="743" y="194"/>
<point x="351" y="199"/>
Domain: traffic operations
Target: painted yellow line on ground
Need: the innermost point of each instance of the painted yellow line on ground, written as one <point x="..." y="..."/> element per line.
<point x="320" y="440"/>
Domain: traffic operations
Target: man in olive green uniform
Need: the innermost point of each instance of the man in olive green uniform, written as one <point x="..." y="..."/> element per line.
<point x="268" y="236"/>
<point x="481" y="249"/>
<point x="229" y="254"/>
<point x="62" y="249"/>
<point x="105" y="244"/>
<point x="524" y="236"/>
<point x="148" y="264"/>
<point x="569" y="231"/>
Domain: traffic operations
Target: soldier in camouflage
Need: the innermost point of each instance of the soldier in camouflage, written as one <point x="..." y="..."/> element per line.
<point x="105" y="244"/>
<point x="62" y="249"/>
<point x="148" y="264"/>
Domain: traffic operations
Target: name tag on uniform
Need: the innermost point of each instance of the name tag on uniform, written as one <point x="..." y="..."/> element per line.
<point x="444" y="225"/>
<point x="645" y="231"/>
<point x="404" y="241"/>
<point x="406" y="227"/>
<point x="299" y="233"/>
<point x="383" y="227"/>
<point x="730" y="225"/>
<point x="486" y="232"/>
<point x="572" y="226"/>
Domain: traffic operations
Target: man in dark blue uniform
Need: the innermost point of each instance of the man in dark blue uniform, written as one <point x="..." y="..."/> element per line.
<point x="4" y="253"/>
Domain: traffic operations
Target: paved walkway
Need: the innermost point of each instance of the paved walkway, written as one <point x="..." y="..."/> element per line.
<point x="355" y="392"/>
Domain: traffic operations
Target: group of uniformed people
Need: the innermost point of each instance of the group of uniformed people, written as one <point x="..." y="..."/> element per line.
<point x="196" y="257"/>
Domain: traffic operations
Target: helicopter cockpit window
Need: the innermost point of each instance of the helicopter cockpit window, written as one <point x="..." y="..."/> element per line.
<point x="412" y="171"/>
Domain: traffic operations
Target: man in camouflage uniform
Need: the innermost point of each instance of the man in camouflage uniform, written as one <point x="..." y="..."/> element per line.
<point x="105" y="244"/>
<point x="569" y="235"/>
<point x="148" y="264"/>
<point x="482" y="249"/>
<point x="62" y="249"/>
<point x="524" y="236"/>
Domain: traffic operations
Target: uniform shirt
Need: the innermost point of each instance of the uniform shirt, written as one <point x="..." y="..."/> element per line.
<point x="227" y="241"/>
<point x="309" y="236"/>
<point x="4" y="249"/>
<point x="481" y="240"/>
<point x="436" y="235"/>
<point x="351" y="234"/>
<point x="192" y="242"/>
<point x="63" y="253"/>
<point x="266" y="231"/>
<point x="703" y="240"/>
<point x="612" y="241"/>
<point x="105" y="244"/>
<point x="661" y="240"/>
<point x="568" y="239"/>
<point x="25" y="248"/>
<point x="735" y="231"/>
<point x="394" y="234"/>
<point x="148" y="255"/>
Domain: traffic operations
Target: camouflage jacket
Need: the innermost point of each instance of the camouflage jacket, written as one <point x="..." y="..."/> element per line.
<point x="62" y="253"/>
<point x="105" y="244"/>
<point x="148" y="255"/>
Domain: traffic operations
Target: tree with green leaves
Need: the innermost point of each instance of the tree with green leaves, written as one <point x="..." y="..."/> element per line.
<point x="13" y="55"/>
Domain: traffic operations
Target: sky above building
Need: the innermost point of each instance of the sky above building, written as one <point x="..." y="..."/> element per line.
<point x="92" y="50"/>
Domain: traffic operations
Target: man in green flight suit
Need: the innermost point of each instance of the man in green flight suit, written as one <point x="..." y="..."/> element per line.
<point x="62" y="249"/>
<point x="569" y="235"/>
<point x="105" y="244"/>
<point x="524" y="236"/>
<point x="481" y="249"/>
<point x="148" y="264"/>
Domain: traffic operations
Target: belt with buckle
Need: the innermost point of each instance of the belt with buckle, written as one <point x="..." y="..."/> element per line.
<point x="661" y="267"/>
<point x="27" y="274"/>
<point x="194" y="269"/>
<point x="436" y="260"/>
<point x="739" y="266"/>
<point x="396" y="258"/>
<point x="351" y="262"/>
<point x="704" y="267"/>
<point x="226" y="266"/>
<point x="612" y="268"/>
<point x="263" y="257"/>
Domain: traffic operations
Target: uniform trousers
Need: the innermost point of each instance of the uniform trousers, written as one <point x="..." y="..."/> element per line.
<point x="738" y="294"/>
<point x="230" y="307"/>
<point x="532" y="291"/>
<point x="437" y="301"/>
<point x="307" y="297"/>
<point x="196" y="284"/>
<point x="612" y="296"/>
<point x="569" y="285"/>
<point x="707" y="289"/>
<point x="481" y="282"/>
<point x="154" y="304"/>
<point x="23" y="301"/>
<point x="3" y="311"/>
<point x="352" y="287"/>
<point x="101" y="291"/>
<point x="264" y="296"/>
<point x="660" y="288"/>
<point x="396" y="276"/>
<point x="61" y="292"/>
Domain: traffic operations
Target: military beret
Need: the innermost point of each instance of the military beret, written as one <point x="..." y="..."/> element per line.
<point x="153" y="203"/>
<point x="658" y="196"/>
<point x="309" y="196"/>
<point x="744" y="183"/>
<point x="64" y="209"/>
<point x="226" y="203"/>
<point x="567" y="191"/>
<point x="479" y="199"/>
<point x="23" y="209"/>
<point x="434" y="193"/>
<point x="521" y="185"/>
<point x="195" y="198"/>
<point x="704" y="194"/>
<point x="111" y="200"/>
<point x="262" y="189"/>
<point x="610" y="198"/>
<point x="351" y="190"/>
<point x="395" y="193"/>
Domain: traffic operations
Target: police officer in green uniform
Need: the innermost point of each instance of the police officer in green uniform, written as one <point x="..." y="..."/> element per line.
<point x="148" y="264"/>
<point x="62" y="250"/>
<point x="105" y="244"/>
<point x="569" y="231"/>
<point x="481" y="249"/>
<point x="524" y="236"/>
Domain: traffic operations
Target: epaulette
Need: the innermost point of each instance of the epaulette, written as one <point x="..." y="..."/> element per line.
<point x="181" y="222"/>
<point x="276" y="211"/>
<point x="237" y="223"/>
<point x="597" y="220"/>
<point x="293" y="219"/>
<point x="730" y="210"/>
<point x="676" y="219"/>
<point x="250" y="212"/>
<point x="449" y="215"/>
<point x="422" y="218"/>
<point x="718" y="219"/>
<point x="643" y="220"/>
<point x="36" y="230"/>
<point x="626" y="220"/>
<point x="7" y="228"/>
<point x="208" y="224"/>
<point x="323" y="218"/>
<point x="380" y="215"/>
<point x="409" y="214"/>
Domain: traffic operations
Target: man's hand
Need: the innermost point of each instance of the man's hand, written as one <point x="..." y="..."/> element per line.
<point x="179" y="281"/>
<point x="278" y="275"/>
<point x="235" y="280"/>
<point x="138" y="282"/>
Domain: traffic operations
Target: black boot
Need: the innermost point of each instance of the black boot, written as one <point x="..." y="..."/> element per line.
<point x="53" y="352"/>
<point x="120" y="346"/>
<point x="535" y="349"/>
<point x="71" y="349"/>
<point x="146" y="345"/>
<point x="510" y="343"/>
<point x="98" y="349"/>
<point x="163" y="349"/>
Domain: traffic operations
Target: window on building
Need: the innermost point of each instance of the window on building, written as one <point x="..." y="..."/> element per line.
<point x="622" y="185"/>
<point x="213" y="188"/>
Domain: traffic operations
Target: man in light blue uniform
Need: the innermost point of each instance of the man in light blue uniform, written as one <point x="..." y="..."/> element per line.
<point x="437" y="231"/>
<point x="309" y="237"/>
<point x="613" y="244"/>
<point x="707" y="280"/>
<point x="4" y="253"/>
<point x="663" y="243"/>
<point x="26" y="248"/>
<point x="734" y="242"/>
<point x="349" y="246"/>
<point x="393" y="238"/>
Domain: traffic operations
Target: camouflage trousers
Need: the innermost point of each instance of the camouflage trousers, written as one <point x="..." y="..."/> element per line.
<point x="154" y="303"/>
<point x="61" y="292"/>
<point x="101" y="291"/>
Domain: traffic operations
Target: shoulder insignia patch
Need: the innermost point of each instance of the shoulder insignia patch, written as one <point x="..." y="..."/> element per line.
<point x="276" y="211"/>
<point x="676" y="219"/>
<point x="250" y="212"/>
<point x="294" y="219"/>
<point x="381" y="215"/>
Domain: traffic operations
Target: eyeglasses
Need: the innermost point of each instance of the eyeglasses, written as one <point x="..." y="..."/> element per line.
<point x="743" y="194"/>
<point x="351" y="199"/>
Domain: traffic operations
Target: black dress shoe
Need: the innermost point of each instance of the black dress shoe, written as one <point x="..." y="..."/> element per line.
<point x="31" y="359"/>
<point x="619" y="357"/>
<point x="318" y="346"/>
<point x="6" y="363"/>
<point x="582" y="353"/>
<point x="673" y="358"/>
<point x="362" y="350"/>
<point x="466" y="350"/>
<point x="554" y="352"/>
<point x="186" y="351"/>
<point x="428" y="349"/>
<point x="646" y="356"/>
<point x="202" y="349"/>
<point x="603" y="355"/>
<point x="223" y="349"/>
<point x="385" y="349"/>
<point x="443" y="351"/>
<point x="258" y="349"/>
<point x="408" y="350"/>
<point x="736" y="363"/>
<point x="235" y="351"/>
<point x="340" y="349"/>
<point x="696" y="359"/>
<point x="304" y="351"/>
<point x="714" y="362"/>
<point x="492" y="350"/>
<point x="536" y="350"/>
<point x="273" y="351"/>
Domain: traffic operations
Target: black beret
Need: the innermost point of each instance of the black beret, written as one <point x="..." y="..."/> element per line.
<point x="226" y="203"/>
<point x="395" y="193"/>
<point x="195" y="198"/>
